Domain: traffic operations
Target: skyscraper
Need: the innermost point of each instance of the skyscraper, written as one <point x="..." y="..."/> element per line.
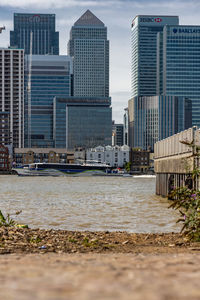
<point x="12" y="97"/>
<point x="144" y="52"/>
<point x="89" y="47"/>
<point x="50" y="77"/>
<point x="179" y="65"/>
<point x="85" y="119"/>
<point x="45" y="40"/>
<point x="156" y="114"/>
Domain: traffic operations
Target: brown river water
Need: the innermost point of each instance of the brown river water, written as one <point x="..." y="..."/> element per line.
<point x="87" y="203"/>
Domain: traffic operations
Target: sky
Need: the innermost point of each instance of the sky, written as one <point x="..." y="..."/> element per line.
<point x="117" y="15"/>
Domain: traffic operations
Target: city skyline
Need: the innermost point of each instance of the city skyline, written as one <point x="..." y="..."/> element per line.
<point x="117" y="15"/>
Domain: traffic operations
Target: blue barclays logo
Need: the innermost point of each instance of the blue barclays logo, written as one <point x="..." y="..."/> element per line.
<point x="186" y="30"/>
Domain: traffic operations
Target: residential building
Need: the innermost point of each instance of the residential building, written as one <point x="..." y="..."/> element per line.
<point x="50" y="76"/>
<point x="45" y="40"/>
<point x="140" y="160"/>
<point x="82" y="122"/>
<point x="4" y="158"/>
<point x="114" y="156"/>
<point x="89" y="47"/>
<point x="49" y="155"/>
<point x="5" y="138"/>
<point x="12" y="97"/>
<point x="79" y="155"/>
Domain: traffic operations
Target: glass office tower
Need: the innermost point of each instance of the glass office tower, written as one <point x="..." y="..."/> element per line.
<point x="82" y="122"/>
<point x="157" y="117"/>
<point x="89" y="47"/>
<point x="179" y="65"/>
<point x="144" y="52"/>
<point x="50" y="77"/>
<point x="45" y="40"/>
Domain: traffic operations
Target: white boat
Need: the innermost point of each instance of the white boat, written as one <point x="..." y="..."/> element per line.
<point x="60" y="169"/>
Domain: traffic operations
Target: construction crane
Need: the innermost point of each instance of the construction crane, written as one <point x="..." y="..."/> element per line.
<point x="2" y="28"/>
<point x="29" y="90"/>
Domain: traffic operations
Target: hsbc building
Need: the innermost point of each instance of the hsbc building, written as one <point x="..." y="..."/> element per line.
<point x="144" y="30"/>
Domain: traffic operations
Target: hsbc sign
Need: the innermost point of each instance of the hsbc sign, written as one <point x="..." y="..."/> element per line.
<point x="150" y="20"/>
<point x="158" y="20"/>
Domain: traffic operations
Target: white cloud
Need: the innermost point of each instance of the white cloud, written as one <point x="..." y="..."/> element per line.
<point x="52" y="4"/>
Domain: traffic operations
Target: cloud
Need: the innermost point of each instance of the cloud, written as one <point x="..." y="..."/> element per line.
<point x="52" y="4"/>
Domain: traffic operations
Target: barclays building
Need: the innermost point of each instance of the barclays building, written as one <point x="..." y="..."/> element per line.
<point x="165" y="75"/>
<point x="179" y="72"/>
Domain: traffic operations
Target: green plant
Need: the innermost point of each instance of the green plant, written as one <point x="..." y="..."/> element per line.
<point x="88" y="243"/>
<point x="72" y="240"/>
<point x="35" y="240"/>
<point x="6" y="220"/>
<point x="187" y="201"/>
<point x="128" y="166"/>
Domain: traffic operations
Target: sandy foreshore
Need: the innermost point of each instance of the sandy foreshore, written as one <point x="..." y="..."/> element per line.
<point x="15" y="240"/>
<point x="53" y="265"/>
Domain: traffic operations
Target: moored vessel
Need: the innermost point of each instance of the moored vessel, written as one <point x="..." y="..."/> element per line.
<point x="61" y="169"/>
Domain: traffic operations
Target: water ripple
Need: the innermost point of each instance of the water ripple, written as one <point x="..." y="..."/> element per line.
<point x="88" y="203"/>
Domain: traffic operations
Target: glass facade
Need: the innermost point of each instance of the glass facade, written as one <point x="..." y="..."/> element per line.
<point x="158" y="117"/>
<point x="144" y="52"/>
<point x="45" y="40"/>
<point x="50" y="77"/>
<point x="179" y="73"/>
<point x="89" y="47"/>
<point x="82" y="122"/>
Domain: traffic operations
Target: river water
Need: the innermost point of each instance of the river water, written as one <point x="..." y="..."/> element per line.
<point x="87" y="203"/>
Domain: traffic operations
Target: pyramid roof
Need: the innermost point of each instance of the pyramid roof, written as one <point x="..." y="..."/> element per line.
<point x="88" y="19"/>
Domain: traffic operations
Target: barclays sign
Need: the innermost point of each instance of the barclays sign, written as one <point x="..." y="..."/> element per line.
<point x="186" y="30"/>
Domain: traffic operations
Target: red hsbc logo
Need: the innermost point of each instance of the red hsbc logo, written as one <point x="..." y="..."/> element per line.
<point x="158" y="20"/>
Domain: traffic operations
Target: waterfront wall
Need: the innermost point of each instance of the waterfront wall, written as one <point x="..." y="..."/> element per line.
<point x="175" y="159"/>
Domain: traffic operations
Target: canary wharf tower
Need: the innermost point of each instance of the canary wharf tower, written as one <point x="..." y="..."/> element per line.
<point x="144" y="52"/>
<point x="89" y="47"/>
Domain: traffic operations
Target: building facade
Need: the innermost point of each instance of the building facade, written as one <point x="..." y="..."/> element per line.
<point x="47" y="155"/>
<point x="89" y="47"/>
<point x="114" y="156"/>
<point x="144" y="29"/>
<point x="12" y="97"/>
<point x="117" y="134"/>
<point x="140" y="161"/>
<point x="179" y="65"/>
<point x="126" y="127"/>
<point x="82" y="122"/>
<point x="158" y="117"/>
<point x="50" y="76"/>
<point x="45" y="40"/>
